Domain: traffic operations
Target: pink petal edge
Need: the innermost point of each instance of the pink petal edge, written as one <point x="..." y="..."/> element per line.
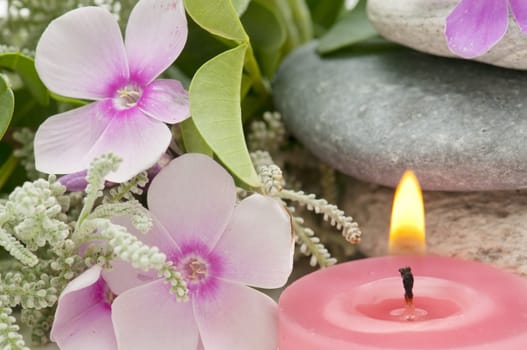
<point x="155" y="35"/>
<point x="193" y="197"/>
<point x="475" y="26"/>
<point x="519" y="10"/>
<point x="257" y="246"/>
<point x="165" y="100"/>
<point x="68" y="142"/>
<point x="63" y="141"/>
<point x="82" y="320"/>
<point x="81" y="54"/>
<point x="149" y="317"/>
<point x="238" y="318"/>
<point x="136" y="138"/>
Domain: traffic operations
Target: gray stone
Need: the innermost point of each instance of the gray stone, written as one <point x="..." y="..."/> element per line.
<point x="484" y="226"/>
<point x="460" y="125"/>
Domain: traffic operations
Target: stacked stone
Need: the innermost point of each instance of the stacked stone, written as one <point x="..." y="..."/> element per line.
<point x="460" y="125"/>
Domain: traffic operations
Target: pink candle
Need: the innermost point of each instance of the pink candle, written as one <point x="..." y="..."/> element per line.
<point x="361" y="305"/>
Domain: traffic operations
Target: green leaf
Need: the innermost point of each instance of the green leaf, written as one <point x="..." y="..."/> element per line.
<point x="240" y="6"/>
<point x="302" y="19"/>
<point x="215" y="109"/>
<point x="25" y="67"/>
<point x="352" y="28"/>
<point x="7" y="106"/>
<point x="192" y="139"/>
<point x="267" y="34"/>
<point x="218" y="17"/>
<point x="7" y="168"/>
<point x="8" y="164"/>
<point x="28" y="112"/>
<point x="201" y="46"/>
<point x="324" y="13"/>
<point x="70" y="100"/>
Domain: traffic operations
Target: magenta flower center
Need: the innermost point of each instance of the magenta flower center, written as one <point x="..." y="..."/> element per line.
<point x="108" y="295"/>
<point x="199" y="267"/>
<point x="128" y="96"/>
<point x="195" y="269"/>
<point x="104" y="294"/>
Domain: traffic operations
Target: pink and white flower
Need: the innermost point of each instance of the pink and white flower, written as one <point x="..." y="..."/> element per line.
<point x="83" y="317"/>
<point x="475" y="26"/>
<point x="82" y="55"/>
<point x="220" y="248"/>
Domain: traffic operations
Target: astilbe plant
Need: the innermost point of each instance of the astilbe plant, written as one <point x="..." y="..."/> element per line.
<point x="27" y="18"/>
<point x="267" y="137"/>
<point x="51" y="249"/>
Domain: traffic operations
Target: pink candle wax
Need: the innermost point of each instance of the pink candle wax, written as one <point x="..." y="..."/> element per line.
<point x="360" y="305"/>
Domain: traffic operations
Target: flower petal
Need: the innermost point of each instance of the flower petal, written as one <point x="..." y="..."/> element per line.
<point x="92" y="330"/>
<point x="155" y="36"/>
<point x="148" y="317"/>
<point x="75" y="182"/>
<point x="193" y="197"/>
<point x="77" y="295"/>
<point x="474" y="26"/>
<point x="165" y="100"/>
<point x="68" y="142"/>
<point x="82" y="320"/>
<point x="257" y="246"/>
<point x="81" y="54"/>
<point x="136" y="138"/>
<point x="122" y="276"/>
<point x="519" y="10"/>
<point x="63" y="140"/>
<point x="238" y="318"/>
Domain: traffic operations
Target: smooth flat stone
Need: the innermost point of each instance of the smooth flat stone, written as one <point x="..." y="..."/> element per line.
<point x="461" y="126"/>
<point x="420" y="24"/>
<point x="490" y="227"/>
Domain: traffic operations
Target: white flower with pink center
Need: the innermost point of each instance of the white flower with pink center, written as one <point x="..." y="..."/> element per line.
<point x="82" y="55"/>
<point x="220" y="248"/>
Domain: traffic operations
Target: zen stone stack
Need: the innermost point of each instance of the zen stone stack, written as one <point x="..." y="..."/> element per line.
<point x="460" y="125"/>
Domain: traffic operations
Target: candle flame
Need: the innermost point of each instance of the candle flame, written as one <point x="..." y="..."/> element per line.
<point x="407" y="226"/>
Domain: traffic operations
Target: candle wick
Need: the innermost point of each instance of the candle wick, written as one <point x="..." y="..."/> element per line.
<point x="408" y="284"/>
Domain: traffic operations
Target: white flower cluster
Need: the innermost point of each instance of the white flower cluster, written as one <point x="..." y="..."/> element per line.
<point x="32" y="217"/>
<point x="332" y="214"/>
<point x="34" y="213"/>
<point x="268" y="134"/>
<point x="10" y="339"/>
<point x="128" y="248"/>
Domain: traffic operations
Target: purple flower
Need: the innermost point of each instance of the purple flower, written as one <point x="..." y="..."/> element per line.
<point x="219" y="247"/>
<point x="75" y="182"/>
<point x="83" y="317"/>
<point x="82" y="55"/>
<point x="475" y="26"/>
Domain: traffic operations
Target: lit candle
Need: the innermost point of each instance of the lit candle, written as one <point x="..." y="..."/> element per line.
<point x="405" y="301"/>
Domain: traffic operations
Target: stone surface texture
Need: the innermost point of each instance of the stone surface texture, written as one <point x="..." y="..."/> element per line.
<point x="420" y="24"/>
<point x="460" y="125"/>
<point x="490" y="227"/>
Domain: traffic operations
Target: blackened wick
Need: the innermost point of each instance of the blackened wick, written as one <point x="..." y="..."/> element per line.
<point x="408" y="283"/>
